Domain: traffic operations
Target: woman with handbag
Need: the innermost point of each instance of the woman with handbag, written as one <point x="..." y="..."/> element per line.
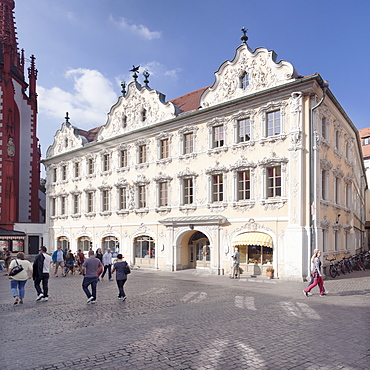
<point x="122" y="270"/>
<point x="317" y="276"/>
<point x="18" y="277"/>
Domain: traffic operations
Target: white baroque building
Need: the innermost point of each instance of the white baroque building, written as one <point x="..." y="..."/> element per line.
<point x="264" y="160"/>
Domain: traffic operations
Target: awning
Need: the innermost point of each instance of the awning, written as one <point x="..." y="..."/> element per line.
<point x="11" y="234"/>
<point x="255" y="238"/>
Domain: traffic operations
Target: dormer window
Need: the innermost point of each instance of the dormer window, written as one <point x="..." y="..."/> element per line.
<point x="244" y="81"/>
<point x="66" y="143"/>
<point x="124" y="121"/>
<point x="366" y="140"/>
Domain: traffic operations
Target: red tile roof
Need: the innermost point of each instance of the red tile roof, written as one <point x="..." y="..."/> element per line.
<point x="365" y="132"/>
<point x="190" y="101"/>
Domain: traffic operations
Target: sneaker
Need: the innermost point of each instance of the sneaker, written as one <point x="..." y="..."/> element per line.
<point x="119" y="297"/>
<point x="64" y="275"/>
<point x="326" y="291"/>
<point x="16" y="301"/>
<point x="305" y="294"/>
<point x="56" y="275"/>
<point x="21" y="301"/>
<point x="45" y="299"/>
<point x="123" y="298"/>
<point x="93" y="301"/>
<point x="39" y="297"/>
<point x="110" y="279"/>
<point x="90" y="299"/>
<point x="322" y="295"/>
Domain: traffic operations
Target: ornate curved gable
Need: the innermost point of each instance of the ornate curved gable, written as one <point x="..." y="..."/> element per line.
<point x="247" y="73"/>
<point x="140" y="107"/>
<point x="66" y="139"/>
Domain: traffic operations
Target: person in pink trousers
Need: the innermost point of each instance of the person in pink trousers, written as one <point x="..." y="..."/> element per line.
<point x="316" y="275"/>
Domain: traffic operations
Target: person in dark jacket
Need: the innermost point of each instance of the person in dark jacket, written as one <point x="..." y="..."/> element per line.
<point x="41" y="267"/>
<point x="121" y="277"/>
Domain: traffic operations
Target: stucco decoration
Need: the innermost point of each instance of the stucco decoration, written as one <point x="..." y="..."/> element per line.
<point x="262" y="70"/>
<point x="66" y="139"/>
<point x="140" y="107"/>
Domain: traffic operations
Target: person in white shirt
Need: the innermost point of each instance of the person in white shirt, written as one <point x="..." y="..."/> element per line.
<point x="41" y="269"/>
<point x="107" y="262"/>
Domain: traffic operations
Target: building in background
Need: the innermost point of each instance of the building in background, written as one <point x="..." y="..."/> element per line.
<point x="365" y="142"/>
<point x="21" y="216"/>
<point x="264" y="160"/>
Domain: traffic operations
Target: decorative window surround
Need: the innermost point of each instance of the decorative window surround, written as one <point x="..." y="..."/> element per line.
<point x="191" y="152"/>
<point x="212" y="125"/>
<point x="122" y="167"/>
<point x="216" y="206"/>
<point x="106" y="162"/>
<point x="235" y="119"/>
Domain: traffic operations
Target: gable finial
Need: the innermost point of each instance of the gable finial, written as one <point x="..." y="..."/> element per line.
<point x="244" y="37"/>
<point x="67" y="117"/>
<point x="146" y="75"/>
<point x="135" y="70"/>
<point x="123" y="85"/>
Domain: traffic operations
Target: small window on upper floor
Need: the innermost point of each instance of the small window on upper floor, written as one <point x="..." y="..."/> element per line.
<point x="64" y="172"/>
<point x="244" y="81"/>
<point x="366" y="140"/>
<point x="143" y="115"/>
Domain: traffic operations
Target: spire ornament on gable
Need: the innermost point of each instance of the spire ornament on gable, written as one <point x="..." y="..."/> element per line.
<point x="67" y="117"/>
<point x="135" y="70"/>
<point x="123" y="85"/>
<point x="244" y="37"/>
<point x="146" y="76"/>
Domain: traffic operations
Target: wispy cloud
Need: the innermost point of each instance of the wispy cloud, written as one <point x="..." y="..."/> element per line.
<point x="138" y="29"/>
<point x="88" y="104"/>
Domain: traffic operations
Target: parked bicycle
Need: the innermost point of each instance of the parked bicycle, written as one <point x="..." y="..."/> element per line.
<point x="333" y="268"/>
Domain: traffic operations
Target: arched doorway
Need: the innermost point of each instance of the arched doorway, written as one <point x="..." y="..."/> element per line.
<point x="110" y="242"/>
<point x="84" y="243"/>
<point x="144" y="249"/>
<point x="256" y="251"/>
<point x="199" y="251"/>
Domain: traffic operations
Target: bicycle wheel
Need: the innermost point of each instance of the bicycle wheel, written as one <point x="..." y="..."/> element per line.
<point x="333" y="272"/>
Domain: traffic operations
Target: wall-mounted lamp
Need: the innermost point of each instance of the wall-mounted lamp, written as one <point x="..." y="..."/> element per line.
<point x="191" y="227"/>
<point x="337" y="221"/>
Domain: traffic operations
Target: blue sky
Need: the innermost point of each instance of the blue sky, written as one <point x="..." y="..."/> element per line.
<point x="84" y="48"/>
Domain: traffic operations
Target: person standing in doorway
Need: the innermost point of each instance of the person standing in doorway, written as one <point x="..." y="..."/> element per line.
<point x="58" y="257"/>
<point x="91" y="269"/>
<point x="41" y="268"/>
<point x="107" y="262"/>
<point x="121" y="277"/>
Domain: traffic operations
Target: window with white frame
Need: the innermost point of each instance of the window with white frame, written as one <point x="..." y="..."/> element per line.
<point x="217" y="187"/>
<point x="63" y="205"/>
<point x="164" y="148"/>
<point x="122" y="198"/>
<point x="163" y="194"/>
<point x="188" y="147"/>
<point x="244" y="81"/>
<point x="64" y="172"/>
<point x="106" y="162"/>
<point x="76" y="203"/>
<point x="273" y="182"/>
<point x="366" y="140"/>
<point x="243" y="185"/>
<point x="55" y="174"/>
<point x="336" y="240"/>
<point x="53" y="206"/>
<point x="123" y="158"/>
<point x="348" y="195"/>
<point x="77" y="169"/>
<point x="142" y="154"/>
<point x="90" y="201"/>
<point x="324" y="240"/>
<point x="188" y="191"/>
<point x="273" y="124"/>
<point x="244" y="130"/>
<point x="324" y="186"/>
<point x="336" y="190"/>
<point x="324" y="128"/>
<point x="218" y="136"/>
<point x="90" y="166"/>
<point x="105" y="197"/>
<point x="141" y="196"/>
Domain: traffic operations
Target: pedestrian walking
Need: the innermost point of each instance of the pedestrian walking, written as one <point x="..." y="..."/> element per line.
<point x="8" y="258"/>
<point x="58" y="257"/>
<point x="70" y="262"/>
<point x="80" y="260"/>
<point x="107" y="262"/>
<point x="18" y="281"/>
<point x="41" y="269"/>
<point x="91" y="269"/>
<point x="120" y="267"/>
<point x="312" y="269"/>
<point x="316" y="275"/>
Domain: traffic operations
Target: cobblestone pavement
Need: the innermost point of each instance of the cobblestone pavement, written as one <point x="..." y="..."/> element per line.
<point x="189" y="320"/>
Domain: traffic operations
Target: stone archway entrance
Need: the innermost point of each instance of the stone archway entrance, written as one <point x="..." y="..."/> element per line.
<point x="199" y="251"/>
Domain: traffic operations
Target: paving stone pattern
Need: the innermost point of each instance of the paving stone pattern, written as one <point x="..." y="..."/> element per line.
<point x="189" y="320"/>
